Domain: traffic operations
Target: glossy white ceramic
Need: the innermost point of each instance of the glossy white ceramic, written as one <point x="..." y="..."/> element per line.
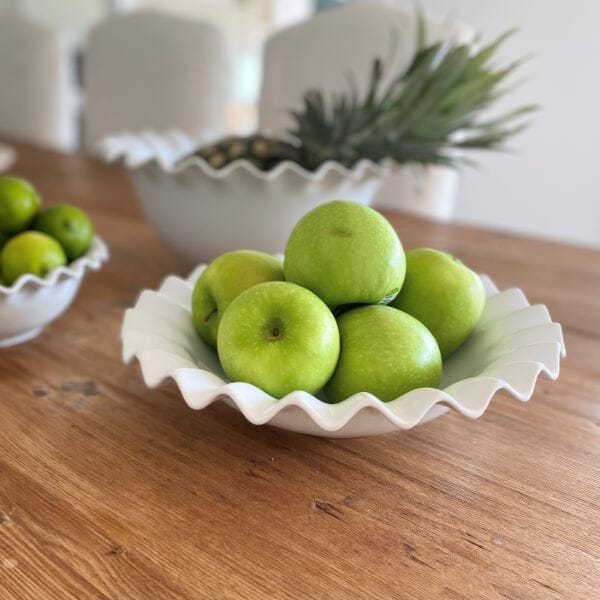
<point x="201" y="212"/>
<point x="511" y="346"/>
<point x="31" y="303"/>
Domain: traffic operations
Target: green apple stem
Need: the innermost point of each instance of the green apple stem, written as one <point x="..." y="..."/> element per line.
<point x="210" y="315"/>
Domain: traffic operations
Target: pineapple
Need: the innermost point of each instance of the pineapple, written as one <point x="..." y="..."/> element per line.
<point x="262" y="151"/>
<point x="425" y="113"/>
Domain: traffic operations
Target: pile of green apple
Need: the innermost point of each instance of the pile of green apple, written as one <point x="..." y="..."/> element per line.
<point x="35" y="241"/>
<point x="347" y="311"/>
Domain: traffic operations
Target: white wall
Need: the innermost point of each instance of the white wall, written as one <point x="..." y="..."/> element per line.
<point x="551" y="185"/>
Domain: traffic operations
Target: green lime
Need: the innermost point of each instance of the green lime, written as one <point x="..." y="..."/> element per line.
<point x="19" y="203"/>
<point x="4" y="237"/>
<point x="30" y="252"/>
<point x="69" y="225"/>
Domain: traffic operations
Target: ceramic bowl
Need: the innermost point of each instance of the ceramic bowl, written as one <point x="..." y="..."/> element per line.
<point x="31" y="303"/>
<point x="511" y="346"/>
<point x="200" y="212"/>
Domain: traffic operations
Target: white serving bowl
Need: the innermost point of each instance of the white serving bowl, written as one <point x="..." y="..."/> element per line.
<point x="31" y="303"/>
<point x="511" y="346"/>
<point x="200" y="212"/>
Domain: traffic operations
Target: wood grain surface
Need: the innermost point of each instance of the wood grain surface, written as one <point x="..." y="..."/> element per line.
<point x="110" y="490"/>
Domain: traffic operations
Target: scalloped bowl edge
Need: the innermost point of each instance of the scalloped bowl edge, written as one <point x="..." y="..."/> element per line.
<point x="515" y="371"/>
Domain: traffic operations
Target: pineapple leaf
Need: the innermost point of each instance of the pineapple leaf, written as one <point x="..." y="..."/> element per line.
<point x="421" y="29"/>
<point x="428" y="113"/>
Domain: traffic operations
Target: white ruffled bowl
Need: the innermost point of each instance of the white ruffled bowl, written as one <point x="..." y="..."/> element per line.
<point x="511" y="346"/>
<point x="201" y="212"/>
<point x="31" y="303"/>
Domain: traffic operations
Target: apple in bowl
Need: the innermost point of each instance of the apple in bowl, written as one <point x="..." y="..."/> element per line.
<point x="346" y="253"/>
<point x="321" y="321"/>
<point x="281" y="337"/>
<point x="223" y="281"/>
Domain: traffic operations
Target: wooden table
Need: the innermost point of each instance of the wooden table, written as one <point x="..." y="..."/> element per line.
<point x="110" y="490"/>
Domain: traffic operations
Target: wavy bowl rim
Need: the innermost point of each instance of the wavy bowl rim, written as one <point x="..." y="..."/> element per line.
<point x="149" y="148"/>
<point x="237" y="392"/>
<point x="92" y="260"/>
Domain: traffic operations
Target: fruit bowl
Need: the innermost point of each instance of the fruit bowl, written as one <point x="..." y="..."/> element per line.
<point x="200" y="212"/>
<point x="511" y="346"/>
<point x="31" y="303"/>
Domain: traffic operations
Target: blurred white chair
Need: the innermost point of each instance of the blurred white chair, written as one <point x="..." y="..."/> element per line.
<point x="149" y="70"/>
<point x="340" y="42"/>
<point x="34" y="91"/>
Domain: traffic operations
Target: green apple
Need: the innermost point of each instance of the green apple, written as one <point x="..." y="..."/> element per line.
<point x="444" y="294"/>
<point x="19" y="203"/>
<point x="279" y="337"/>
<point x="69" y="225"/>
<point x="223" y="281"/>
<point x="30" y="252"/>
<point x="385" y="352"/>
<point x="346" y="253"/>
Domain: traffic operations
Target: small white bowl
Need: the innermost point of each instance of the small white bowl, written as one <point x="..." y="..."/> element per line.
<point x="201" y="212"/>
<point x="511" y="346"/>
<point x="31" y="303"/>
